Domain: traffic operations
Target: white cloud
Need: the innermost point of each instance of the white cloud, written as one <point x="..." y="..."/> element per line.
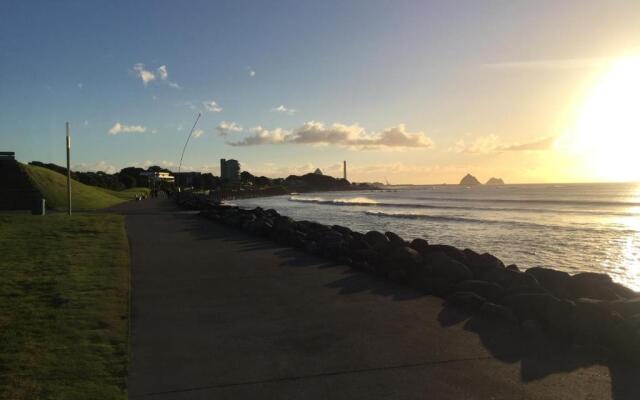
<point x="180" y="128"/>
<point x="493" y="144"/>
<point x="552" y="64"/>
<point x="80" y="85"/>
<point x="118" y="128"/>
<point x="224" y="128"/>
<point x="146" y="75"/>
<point x="154" y="131"/>
<point x="212" y="106"/>
<point x="316" y="133"/>
<point x="284" y="110"/>
<point x="252" y="72"/>
<point x="262" y="136"/>
<point x="163" y="73"/>
<point x="95" y="167"/>
<point x="197" y="133"/>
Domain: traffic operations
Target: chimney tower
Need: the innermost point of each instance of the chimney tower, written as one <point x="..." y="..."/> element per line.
<point x="344" y="170"/>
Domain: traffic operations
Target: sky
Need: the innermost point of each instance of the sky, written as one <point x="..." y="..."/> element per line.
<point x="405" y="91"/>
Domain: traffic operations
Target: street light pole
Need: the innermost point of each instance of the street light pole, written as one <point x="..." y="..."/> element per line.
<point x="68" y="171"/>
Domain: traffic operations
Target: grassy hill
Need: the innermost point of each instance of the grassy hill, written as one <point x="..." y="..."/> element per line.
<point x="53" y="187"/>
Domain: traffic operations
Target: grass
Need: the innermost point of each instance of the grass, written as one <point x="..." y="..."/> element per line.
<point x="64" y="290"/>
<point x="53" y="187"/>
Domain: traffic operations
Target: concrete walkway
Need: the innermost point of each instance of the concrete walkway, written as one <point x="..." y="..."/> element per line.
<point x="221" y="315"/>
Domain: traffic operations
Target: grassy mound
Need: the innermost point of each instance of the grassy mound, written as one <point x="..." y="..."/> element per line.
<point x="53" y="187"/>
<point x="64" y="307"/>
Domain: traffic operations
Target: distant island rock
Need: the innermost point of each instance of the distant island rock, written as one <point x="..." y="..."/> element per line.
<point x="495" y="181"/>
<point x="470" y="180"/>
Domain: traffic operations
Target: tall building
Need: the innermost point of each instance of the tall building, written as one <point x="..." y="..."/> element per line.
<point x="230" y="170"/>
<point x="344" y="170"/>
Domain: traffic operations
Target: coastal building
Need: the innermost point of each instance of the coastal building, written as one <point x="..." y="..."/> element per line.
<point x="344" y="170"/>
<point x="318" y="172"/>
<point x="155" y="176"/>
<point x="230" y="170"/>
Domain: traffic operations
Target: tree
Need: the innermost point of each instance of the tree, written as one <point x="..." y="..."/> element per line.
<point x="128" y="181"/>
<point x="262" y="181"/>
<point x="246" y="177"/>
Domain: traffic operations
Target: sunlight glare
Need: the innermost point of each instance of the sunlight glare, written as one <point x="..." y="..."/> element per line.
<point x="607" y="131"/>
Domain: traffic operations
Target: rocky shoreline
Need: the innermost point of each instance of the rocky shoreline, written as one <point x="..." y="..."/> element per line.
<point x="585" y="309"/>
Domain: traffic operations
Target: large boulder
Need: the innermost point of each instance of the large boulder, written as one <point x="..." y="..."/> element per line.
<point x="406" y="258"/>
<point x="420" y="245"/>
<point x="481" y="264"/>
<point x="513" y="281"/>
<point x="593" y="286"/>
<point x="447" y="268"/>
<point x="555" y="314"/>
<point x="488" y="290"/>
<point x="557" y="283"/>
<point x="400" y="258"/>
<point x="376" y="239"/>
<point x="343" y="230"/>
<point x="450" y="251"/>
<point x="497" y="312"/>
<point x="394" y="239"/>
<point x="421" y="278"/>
<point x="468" y="301"/>
<point x="626" y="308"/>
<point x="592" y="320"/>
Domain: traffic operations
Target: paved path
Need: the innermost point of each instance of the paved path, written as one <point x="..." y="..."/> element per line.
<point x="221" y="315"/>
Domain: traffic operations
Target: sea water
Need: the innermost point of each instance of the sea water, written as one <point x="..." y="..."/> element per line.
<point x="570" y="227"/>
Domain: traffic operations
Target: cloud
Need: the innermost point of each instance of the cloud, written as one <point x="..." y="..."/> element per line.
<point x="95" y="167"/>
<point x="251" y="71"/>
<point x="118" y="128"/>
<point x="80" y="85"/>
<point x="145" y="75"/>
<point x="224" y="128"/>
<point x="536" y="145"/>
<point x="284" y="110"/>
<point x="316" y="133"/>
<point x="212" y="106"/>
<point x="262" y="136"/>
<point x="492" y="144"/>
<point x="552" y="64"/>
<point x="163" y="73"/>
<point x="197" y="133"/>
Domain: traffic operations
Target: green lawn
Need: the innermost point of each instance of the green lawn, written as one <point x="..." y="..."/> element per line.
<point x="64" y="297"/>
<point x="53" y="187"/>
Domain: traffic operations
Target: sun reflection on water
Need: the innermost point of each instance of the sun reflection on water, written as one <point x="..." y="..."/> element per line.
<point x="630" y="250"/>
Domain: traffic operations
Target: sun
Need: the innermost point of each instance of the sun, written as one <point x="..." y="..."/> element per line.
<point x="606" y="135"/>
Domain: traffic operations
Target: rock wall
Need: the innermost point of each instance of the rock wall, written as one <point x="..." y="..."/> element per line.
<point x="587" y="309"/>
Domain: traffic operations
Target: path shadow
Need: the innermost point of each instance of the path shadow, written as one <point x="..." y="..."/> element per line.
<point x="538" y="359"/>
<point x="541" y="357"/>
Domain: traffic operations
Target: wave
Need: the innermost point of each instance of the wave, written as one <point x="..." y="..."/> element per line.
<point x="445" y="218"/>
<point x="535" y="201"/>
<point x="354" y="201"/>
<point x="456" y="219"/>
<point x="364" y="201"/>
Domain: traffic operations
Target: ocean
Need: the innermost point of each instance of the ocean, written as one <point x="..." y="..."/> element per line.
<point x="570" y="227"/>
